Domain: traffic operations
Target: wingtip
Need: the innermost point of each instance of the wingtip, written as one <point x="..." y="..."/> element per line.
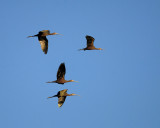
<point x="59" y="105"/>
<point x="63" y="63"/>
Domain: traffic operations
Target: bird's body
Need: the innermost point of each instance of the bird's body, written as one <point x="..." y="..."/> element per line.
<point x="62" y="96"/>
<point x="43" y="40"/>
<point x="61" y="75"/>
<point x="90" y="44"/>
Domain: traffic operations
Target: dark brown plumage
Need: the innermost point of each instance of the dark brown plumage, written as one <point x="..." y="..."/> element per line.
<point x="62" y="96"/>
<point x="90" y="44"/>
<point x="43" y="40"/>
<point x="61" y="75"/>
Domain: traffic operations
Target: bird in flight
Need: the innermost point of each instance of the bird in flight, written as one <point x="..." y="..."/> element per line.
<point x="61" y="75"/>
<point x="62" y="96"/>
<point x="43" y="40"/>
<point x="90" y="45"/>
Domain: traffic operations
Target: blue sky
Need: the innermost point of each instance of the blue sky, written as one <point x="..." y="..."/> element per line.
<point x="118" y="87"/>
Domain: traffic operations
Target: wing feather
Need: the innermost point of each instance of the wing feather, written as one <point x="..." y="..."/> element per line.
<point x="90" y="41"/>
<point x="44" y="32"/>
<point x="44" y="43"/>
<point x="62" y="97"/>
<point x="61" y="71"/>
<point x="61" y="100"/>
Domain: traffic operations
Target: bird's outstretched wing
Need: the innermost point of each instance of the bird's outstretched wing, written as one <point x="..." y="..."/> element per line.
<point x="61" y="71"/>
<point x="44" y="32"/>
<point x="62" y="97"/>
<point x="58" y="93"/>
<point x="44" y="43"/>
<point x="61" y="100"/>
<point x="63" y="92"/>
<point x="90" y="41"/>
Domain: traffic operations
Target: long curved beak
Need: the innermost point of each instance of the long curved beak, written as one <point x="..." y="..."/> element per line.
<point x="58" y="34"/>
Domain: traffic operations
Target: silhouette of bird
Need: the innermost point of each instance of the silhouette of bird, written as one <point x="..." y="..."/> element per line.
<point x="90" y="45"/>
<point x="61" y="75"/>
<point x="43" y="40"/>
<point x="62" y="96"/>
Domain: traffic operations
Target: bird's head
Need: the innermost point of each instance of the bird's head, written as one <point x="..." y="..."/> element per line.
<point x="74" y="94"/>
<point x="100" y="49"/>
<point x="72" y="81"/>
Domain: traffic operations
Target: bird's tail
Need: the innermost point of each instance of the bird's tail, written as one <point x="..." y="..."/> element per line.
<point x="29" y="36"/>
<point x="81" y="49"/>
<point x="51" y="82"/>
<point x="52" y="96"/>
<point x="32" y="36"/>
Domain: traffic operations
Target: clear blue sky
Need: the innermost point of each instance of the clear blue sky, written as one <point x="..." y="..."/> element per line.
<point x="119" y="87"/>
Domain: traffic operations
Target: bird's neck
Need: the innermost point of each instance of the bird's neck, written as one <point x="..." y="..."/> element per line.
<point x="70" y="94"/>
<point x="69" y="80"/>
<point x="98" y="48"/>
<point x="52" y="33"/>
